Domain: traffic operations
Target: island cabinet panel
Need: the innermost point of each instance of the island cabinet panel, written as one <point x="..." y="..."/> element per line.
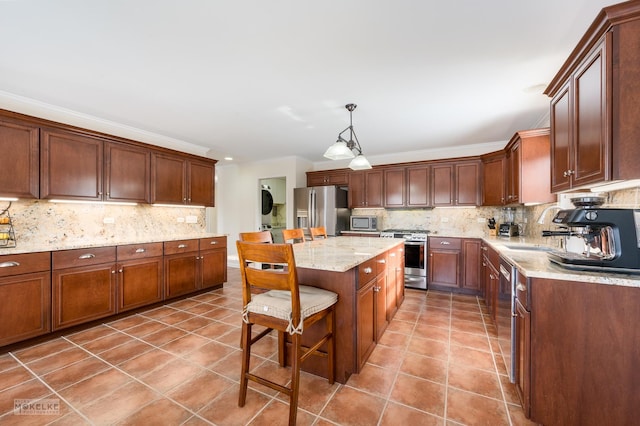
<point x="380" y="293"/>
<point x="366" y="333"/>
<point x="140" y="275"/>
<point x="25" y="291"/>
<point x="394" y="294"/>
<point x="71" y="165"/>
<point x="84" y="285"/>
<point x="585" y="346"/>
<point x="20" y="171"/>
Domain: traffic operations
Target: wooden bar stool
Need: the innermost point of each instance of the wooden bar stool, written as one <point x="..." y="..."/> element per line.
<point x="286" y="307"/>
<point x="257" y="237"/>
<point x="294" y="235"/>
<point x="318" y="233"/>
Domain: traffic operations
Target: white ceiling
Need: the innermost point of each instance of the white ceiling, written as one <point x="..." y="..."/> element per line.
<point x="258" y="79"/>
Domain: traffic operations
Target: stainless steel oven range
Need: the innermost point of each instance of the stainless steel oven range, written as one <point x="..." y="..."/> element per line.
<point x="415" y="255"/>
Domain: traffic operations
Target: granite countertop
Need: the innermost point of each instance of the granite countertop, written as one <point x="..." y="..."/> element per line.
<point x="79" y="244"/>
<point x="339" y="254"/>
<point x="535" y="263"/>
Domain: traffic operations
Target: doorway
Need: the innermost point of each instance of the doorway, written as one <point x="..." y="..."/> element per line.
<point x="272" y="206"/>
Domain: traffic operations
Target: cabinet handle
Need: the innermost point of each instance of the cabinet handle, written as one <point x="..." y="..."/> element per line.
<point x="368" y="270"/>
<point x="392" y="254"/>
<point x="521" y="287"/>
<point x="113" y="271"/>
<point x="120" y="270"/>
<point x="87" y="256"/>
<point x="382" y="261"/>
<point x="213" y="243"/>
<point x="446" y="243"/>
<point x="182" y="246"/>
<point x="484" y="248"/>
<point x="9" y="264"/>
<point x="140" y="250"/>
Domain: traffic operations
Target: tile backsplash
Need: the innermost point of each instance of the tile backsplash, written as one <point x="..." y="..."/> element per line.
<point x="40" y="222"/>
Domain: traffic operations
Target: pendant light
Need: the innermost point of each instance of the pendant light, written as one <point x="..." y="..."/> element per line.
<point x="344" y="149"/>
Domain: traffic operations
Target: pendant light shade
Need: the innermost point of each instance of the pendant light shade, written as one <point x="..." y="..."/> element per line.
<point x="343" y="149"/>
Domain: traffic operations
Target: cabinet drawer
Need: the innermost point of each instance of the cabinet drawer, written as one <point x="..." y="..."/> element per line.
<point x="213" y="243"/>
<point x="83" y="257"/>
<point x="381" y="264"/>
<point x="139" y="251"/>
<point x="181" y="246"/>
<point x="445" y="243"/>
<point x="17" y="264"/>
<point x="367" y="271"/>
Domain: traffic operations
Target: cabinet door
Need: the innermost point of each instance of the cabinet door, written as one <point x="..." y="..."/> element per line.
<point x="591" y="155"/>
<point x="201" y="184"/>
<point x="19" y="174"/>
<point x="70" y="166"/>
<point x="444" y="267"/>
<point x="83" y="294"/>
<point x="472" y="265"/>
<point x="356" y="192"/>
<point x="127" y="173"/>
<point x="374" y="188"/>
<point x="139" y="283"/>
<point x="513" y="173"/>
<point x="561" y="135"/>
<point x="214" y="267"/>
<point x="366" y="324"/>
<point x="180" y="274"/>
<point x="417" y="187"/>
<point x="394" y="187"/>
<point x="523" y="357"/>
<point x="493" y="181"/>
<point x="400" y="277"/>
<point x="467" y="184"/>
<point x="26" y="306"/>
<point x="442" y="193"/>
<point x="316" y="179"/>
<point x="392" y="282"/>
<point x="168" y="179"/>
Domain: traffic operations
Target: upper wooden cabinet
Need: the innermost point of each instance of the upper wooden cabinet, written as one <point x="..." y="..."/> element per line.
<point x="594" y="107"/>
<point x="456" y="184"/>
<point x="366" y="188"/>
<point x="328" y="177"/>
<point x="407" y="186"/>
<point x="84" y="167"/>
<point x="528" y="164"/>
<point x="494" y="172"/>
<point x="180" y="180"/>
<point x="19" y="147"/>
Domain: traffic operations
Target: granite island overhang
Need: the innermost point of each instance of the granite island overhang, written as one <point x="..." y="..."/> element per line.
<point x="356" y="269"/>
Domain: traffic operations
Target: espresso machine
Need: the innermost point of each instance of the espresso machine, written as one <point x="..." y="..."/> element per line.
<point x="611" y="239"/>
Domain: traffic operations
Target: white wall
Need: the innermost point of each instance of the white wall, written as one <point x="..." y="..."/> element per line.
<point x="238" y="197"/>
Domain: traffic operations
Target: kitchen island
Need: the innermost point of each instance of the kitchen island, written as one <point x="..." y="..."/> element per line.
<point x="364" y="274"/>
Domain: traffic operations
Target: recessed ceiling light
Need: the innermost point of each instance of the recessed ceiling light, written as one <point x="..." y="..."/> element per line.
<point x="228" y="158"/>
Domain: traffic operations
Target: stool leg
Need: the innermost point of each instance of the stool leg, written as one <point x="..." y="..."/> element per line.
<point x="296" y="340"/>
<point x="282" y="349"/>
<point x="246" y="356"/>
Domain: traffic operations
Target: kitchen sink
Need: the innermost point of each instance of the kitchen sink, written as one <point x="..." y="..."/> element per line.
<point x="527" y="247"/>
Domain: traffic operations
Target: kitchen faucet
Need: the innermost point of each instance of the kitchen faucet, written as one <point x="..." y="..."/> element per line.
<point x="544" y="213"/>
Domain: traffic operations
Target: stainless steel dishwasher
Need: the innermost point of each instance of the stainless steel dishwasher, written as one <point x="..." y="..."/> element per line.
<point x="506" y="316"/>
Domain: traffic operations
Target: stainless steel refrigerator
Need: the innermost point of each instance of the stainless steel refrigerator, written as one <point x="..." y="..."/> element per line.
<point x="321" y="206"/>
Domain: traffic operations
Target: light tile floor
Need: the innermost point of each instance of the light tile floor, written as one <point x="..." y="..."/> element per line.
<point x="438" y="363"/>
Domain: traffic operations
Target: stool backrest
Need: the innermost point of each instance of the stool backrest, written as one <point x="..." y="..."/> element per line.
<point x="257" y="237"/>
<point x="286" y="278"/>
<point x="297" y="235"/>
<point x="318" y="233"/>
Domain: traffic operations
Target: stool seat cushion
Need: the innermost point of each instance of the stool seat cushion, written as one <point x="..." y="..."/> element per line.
<point x="277" y="303"/>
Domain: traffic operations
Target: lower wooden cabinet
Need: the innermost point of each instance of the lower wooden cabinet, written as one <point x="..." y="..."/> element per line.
<point x="213" y="261"/>
<point x="84" y="285"/>
<point x="445" y="258"/>
<point x="25" y="291"/>
<point x="471" y="261"/>
<point x="365" y="307"/>
<point x="523" y="356"/>
<point x="140" y="274"/>
<point x="181" y="260"/>
<point x="380" y="290"/>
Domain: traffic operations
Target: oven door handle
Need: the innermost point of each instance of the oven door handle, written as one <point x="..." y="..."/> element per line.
<point x="414" y="243"/>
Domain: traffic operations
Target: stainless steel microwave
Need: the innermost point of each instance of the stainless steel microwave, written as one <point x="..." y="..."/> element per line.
<point x="363" y="223"/>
